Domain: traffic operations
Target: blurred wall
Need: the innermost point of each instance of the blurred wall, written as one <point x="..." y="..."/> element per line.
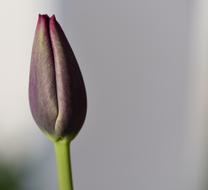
<point x="145" y="89"/>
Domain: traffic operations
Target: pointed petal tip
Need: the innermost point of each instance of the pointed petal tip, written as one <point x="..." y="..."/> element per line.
<point x="42" y="21"/>
<point x="43" y="16"/>
<point x="52" y="23"/>
<point x="53" y="17"/>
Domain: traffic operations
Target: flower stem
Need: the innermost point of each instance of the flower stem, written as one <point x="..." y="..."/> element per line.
<point x="63" y="162"/>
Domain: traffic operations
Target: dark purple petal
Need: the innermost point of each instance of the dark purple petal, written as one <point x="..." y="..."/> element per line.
<point x="70" y="85"/>
<point x="56" y="90"/>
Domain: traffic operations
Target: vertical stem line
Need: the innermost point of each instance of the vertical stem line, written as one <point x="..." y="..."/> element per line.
<point x="63" y="162"/>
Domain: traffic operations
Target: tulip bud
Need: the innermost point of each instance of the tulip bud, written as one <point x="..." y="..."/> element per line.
<point x="57" y="93"/>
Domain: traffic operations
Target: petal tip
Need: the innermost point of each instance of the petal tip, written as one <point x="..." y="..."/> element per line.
<point x="52" y="23"/>
<point x="42" y="20"/>
<point x="53" y="17"/>
<point x="43" y="15"/>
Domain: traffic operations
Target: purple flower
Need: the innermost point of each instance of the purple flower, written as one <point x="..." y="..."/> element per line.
<point x="57" y="93"/>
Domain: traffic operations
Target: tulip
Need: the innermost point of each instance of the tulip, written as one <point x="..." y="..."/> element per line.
<point x="56" y="89"/>
<point x="57" y="93"/>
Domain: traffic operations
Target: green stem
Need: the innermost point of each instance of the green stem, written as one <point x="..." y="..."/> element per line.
<point x="63" y="162"/>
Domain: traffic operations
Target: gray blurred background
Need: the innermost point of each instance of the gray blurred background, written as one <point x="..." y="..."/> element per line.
<point x="145" y="67"/>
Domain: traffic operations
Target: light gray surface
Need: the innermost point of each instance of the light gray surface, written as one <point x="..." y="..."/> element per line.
<point x="134" y="56"/>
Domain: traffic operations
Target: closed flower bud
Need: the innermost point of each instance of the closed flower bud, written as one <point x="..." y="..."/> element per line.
<point x="57" y="93"/>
